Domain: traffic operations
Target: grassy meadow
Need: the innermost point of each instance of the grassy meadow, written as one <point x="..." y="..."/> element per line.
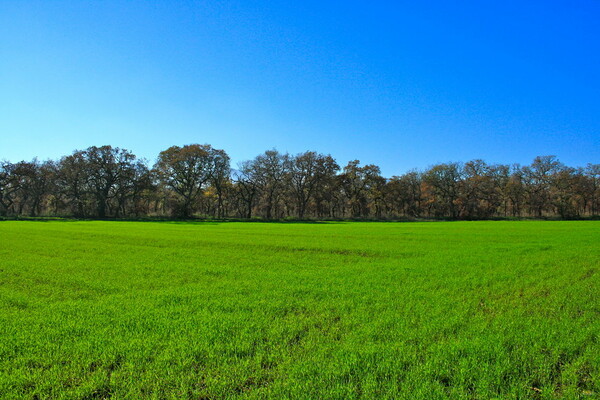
<point x="208" y="310"/>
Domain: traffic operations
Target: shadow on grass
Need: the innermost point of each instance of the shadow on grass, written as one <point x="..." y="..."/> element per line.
<point x="214" y="221"/>
<point x="203" y="221"/>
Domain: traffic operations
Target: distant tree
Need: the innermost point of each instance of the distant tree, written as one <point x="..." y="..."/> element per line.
<point x="592" y="173"/>
<point x="444" y="182"/>
<point x="538" y="180"/>
<point x="247" y="187"/>
<point x="107" y="167"/>
<point x="73" y="182"/>
<point x="564" y="193"/>
<point x="111" y="182"/>
<point x="187" y="171"/>
<point x="404" y="194"/>
<point x="499" y="175"/>
<point x="474" y="184"/>
<point x="357" y="182"/>
<point x="481" y="189"/>
<point x="328" y="198"/>
<point x="514" y="191"/>
<point x="131" y="185"/>
<point x="23" y="178"/>
<point x="35" y="181"/>
<point x="220" y="178"/>
<point x="8" y="186"/>
<point x="269" y="171"/>
<point x="307" y="171"/>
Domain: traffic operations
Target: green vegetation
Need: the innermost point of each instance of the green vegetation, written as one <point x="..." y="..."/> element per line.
<point x="168" y="310"/>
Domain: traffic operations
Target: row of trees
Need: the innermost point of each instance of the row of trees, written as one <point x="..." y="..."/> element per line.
<point x="198" y="180"/>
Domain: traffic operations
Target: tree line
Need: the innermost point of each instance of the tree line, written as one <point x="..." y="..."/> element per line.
<point x="198" y="180"/>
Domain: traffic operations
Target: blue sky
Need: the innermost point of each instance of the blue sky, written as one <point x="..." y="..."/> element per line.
<point x="399" y="84"/>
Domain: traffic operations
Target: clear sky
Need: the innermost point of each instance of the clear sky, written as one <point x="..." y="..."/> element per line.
<point x="399" y="84"/>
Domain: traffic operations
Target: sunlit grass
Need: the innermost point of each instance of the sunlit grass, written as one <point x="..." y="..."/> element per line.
<point x="460" y="310"/>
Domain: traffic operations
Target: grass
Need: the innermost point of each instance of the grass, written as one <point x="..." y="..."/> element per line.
<point x="161" y="310"/>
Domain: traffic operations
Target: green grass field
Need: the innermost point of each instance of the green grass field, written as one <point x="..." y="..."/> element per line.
<point x="164" y="310"/>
